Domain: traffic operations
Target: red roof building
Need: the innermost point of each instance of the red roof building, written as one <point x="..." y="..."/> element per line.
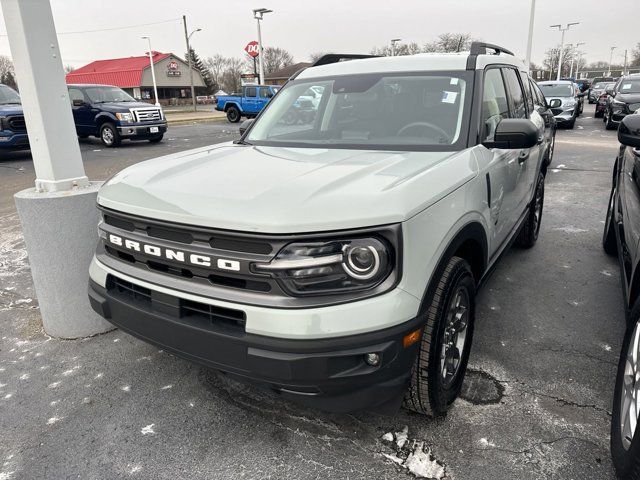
<point x="133" y="74"/>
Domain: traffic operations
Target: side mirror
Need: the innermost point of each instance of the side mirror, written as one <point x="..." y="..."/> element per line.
<point x="555" y="103"/>
<point x="629" y="131"/>
<point x="611" y="92"/>
<point x="78" y="103"/>
<point x="244" y="126"/>
<point x="514" y="133"/>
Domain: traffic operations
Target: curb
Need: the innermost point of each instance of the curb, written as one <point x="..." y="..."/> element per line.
<point x="195" y="120"/>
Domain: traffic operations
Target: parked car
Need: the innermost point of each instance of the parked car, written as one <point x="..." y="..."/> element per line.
<point x="13" y="129"/>
<point x="111" y="114"/>
<point x="336" y="263"/>
<point x="601" y="104"/>
<point x="598" y="82"/>
<point x="565" y="102"/>
<point x="249" y="104"/>
<point x="621" y="238"/>
<point x="544" y="110"/>
<point x="622" y="99"/>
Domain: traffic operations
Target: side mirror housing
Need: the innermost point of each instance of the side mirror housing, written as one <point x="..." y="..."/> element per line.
<point x="555" y="103"/>
<point x="629" y="131"/>
<point x="514" y="133"/>
<point x="610" y="92"/>
<point x="78" y="103"/>
<point x="244" y="126"/>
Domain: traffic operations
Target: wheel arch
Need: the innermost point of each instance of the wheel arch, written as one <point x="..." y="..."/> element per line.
<point x="228" y="105"/>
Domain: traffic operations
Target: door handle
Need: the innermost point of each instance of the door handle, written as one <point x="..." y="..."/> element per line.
<point x="523" y="157"/>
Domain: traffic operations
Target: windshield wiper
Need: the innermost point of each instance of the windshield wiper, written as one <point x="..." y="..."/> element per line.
<point x="241" y="142"/>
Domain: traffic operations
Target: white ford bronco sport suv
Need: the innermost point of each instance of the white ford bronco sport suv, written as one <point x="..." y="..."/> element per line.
<point x="334" y="260"/>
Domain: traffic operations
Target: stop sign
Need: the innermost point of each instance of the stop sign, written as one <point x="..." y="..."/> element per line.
<point x="252" y="49"/>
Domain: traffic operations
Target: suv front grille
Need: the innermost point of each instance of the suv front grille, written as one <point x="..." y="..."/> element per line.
<point x="16" y="123"/>
<point x="147" y="114"/>
<point x="633" y="107"/>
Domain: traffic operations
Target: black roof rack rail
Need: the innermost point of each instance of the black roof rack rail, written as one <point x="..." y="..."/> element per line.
<point x="338" y="57"/>
<point x="480" y="48"/>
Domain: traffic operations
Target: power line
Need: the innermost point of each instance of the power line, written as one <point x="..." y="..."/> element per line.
<point x="124" y="27"/>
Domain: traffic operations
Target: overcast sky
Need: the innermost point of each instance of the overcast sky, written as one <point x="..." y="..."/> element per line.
<point x="348" y="26"/>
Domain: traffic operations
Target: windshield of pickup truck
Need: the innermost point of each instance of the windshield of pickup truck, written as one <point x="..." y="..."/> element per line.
<point x="8" y="96"/>
<point x="393" y="111"/>
<point x="557" y="90"/>
<point x="108" y="95"/>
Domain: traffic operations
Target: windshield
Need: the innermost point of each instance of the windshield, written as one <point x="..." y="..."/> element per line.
<point x="598" y="86"/>
<point x="375" y="111"/>
<point x="557" y="90"/>
<point x="108" y="95"/>
<point x="630" y="86"/>
<point x="8" y="96"/>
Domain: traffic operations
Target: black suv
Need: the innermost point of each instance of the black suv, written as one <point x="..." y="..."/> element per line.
<point x="111" y="114"/>
<point x="623" y="99"/>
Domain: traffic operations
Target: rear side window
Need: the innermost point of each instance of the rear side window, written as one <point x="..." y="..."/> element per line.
<point x="494" y="102"/>
<point x="265" y="93"/>
<point x="527" y="90"/>
<point x="515" y="93"/>
<point x="75" y="94"/>
<point x="250" y="92"/>
<point x="538" y="98"/>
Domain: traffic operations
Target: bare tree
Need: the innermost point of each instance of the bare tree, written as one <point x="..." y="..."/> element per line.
<point x="314" y="57"/>
<point x="7" y="72"/>
<point x="400" y="49"/>
<point x="230" y="79"/>
<point x="450" y="42"/>
<point x="635" y="56"/>
<point x="68" y="68"/>
<point x="276" y="58"/>
<point x="569" y="57"/>
<point x="216" y="66"/>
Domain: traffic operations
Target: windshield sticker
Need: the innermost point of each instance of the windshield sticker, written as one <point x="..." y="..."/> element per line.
<point x="449" y="97"/>
<point x="454" y="81"/>
<point x="626" y="86"/>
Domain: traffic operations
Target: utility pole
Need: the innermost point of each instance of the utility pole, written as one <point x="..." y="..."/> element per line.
<point x="624" y="69"/>
<point x="610" y="60"/>
<point x="187" y="36"/>
<point x="530" y="38"/>
<point x="393" y="46"/>
<point x="578" y="62"/>
<point x="258" y="13"/>
<point x="577" y="45"/>
<point x="153" y="70"/>
<point x="563" y="30"/>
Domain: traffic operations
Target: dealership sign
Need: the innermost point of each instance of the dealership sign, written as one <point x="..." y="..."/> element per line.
<point x="173" y="69"/>
<point x="252" y="49"/>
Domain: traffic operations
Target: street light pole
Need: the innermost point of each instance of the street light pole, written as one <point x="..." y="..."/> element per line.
<point x="610" y="60"/>
<point x="258" y="13"/>
<point x="563" y="30"/>
<point x="153" y="73"/>
<point x="393" y="46"/>
<point x="187" y="37"/>
<point x="530" y="38"/>
<point x="577" y="45"/>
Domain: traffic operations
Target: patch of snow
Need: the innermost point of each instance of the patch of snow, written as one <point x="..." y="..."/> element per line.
<point x="606" y="273"/>
<point x="166" y="387"/>
<point x="562" y="165"/>
<point x="54" y="384"/>
<point x="388" y="437"/>
<point x="570" y="229"/>
<point x="148" y="430"/>
<point x="135" y="469"/>
<point x="606" y="348"/>
<point x="555" y="170"/>
<point x="99" y="375"/>
<point x="5" y="475"/>
<point x="421" y="463"/>
<point x="402" y="437"/>
<point x="116" y="340"/>
<point x="486" y="443"/>
<point x="53" y="420"/>
<point x="8" y="396"/>
<point x="126" y="388"/>
<point x="24" y="376"/>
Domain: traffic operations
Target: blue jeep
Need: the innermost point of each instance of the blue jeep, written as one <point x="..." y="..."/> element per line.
<point x="249" y="104"/>
<point x="13" y="130"/>
<point x="111" y="114"/>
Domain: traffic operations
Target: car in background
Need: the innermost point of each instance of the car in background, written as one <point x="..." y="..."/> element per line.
<point x="564" y="101"/>
<point x="598" y="84"/>
<point x="621" y="238"/>
<point x="584" y="84"/>
<point x="249" y="104"/>
<point x="601" y="104"/>
<point x="13" y="129"/>
<point x="111" y="114"/>
<point x="622" y="99"/>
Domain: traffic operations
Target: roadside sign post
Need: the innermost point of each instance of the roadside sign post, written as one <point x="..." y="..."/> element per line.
<point x="58" y="216"/>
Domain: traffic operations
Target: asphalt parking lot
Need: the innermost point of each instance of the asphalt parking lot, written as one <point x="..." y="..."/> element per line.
<point x="536" y="402"/>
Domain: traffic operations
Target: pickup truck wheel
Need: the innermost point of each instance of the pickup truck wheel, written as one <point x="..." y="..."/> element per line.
<point x="109" y="135"/>
<point x="529" y="233"/>
<point x="233" y="114"/>
<point x="609" y="236"/>
<point x="156" y="139"/>
<point x="625" y="439"/>
<point x="441" y="363"/>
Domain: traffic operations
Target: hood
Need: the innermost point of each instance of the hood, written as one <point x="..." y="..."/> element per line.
<point x="628" y="97"/>
<point x="122" y="107"/>
<point x="10" y="109"/>
<point x="286" y="190"/>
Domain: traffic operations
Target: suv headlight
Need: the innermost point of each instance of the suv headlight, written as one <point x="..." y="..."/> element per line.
<point x="617" y="103"/>
<point x="125" y="117"/>
<point x="331" y="267"/>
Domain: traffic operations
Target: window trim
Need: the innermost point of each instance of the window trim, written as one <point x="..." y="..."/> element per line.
<point x="509" y="99"/>
<point x="480" y="95"/>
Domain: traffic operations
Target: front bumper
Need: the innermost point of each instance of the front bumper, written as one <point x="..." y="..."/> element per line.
<point x="328" y="373"/>
<point x="565" y="116"/>
<point x="141" y="130"/>
<point x="13" y="141"/>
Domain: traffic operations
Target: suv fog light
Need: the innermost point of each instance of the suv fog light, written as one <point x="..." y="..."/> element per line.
<point x="372" y="359"/>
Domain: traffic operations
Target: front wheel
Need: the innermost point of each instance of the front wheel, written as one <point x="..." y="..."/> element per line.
<point x="529" y="233"/>
<point x="625" y="445"/>
<point x="233" y="114"/>
<point x="443" y="353"/>
<point x="109" y="135"/>
<point x="608" y="122"/>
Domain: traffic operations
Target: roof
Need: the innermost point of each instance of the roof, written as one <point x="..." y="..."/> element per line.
<point x="121" y="72"/>
<point x="286" y="72"/>
<point x="556" y="82"/>
<point x="408" y="63"/>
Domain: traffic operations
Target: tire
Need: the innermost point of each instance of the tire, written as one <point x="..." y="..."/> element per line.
<point x="597" y="114"/>
<point x="609" y="243"/>
<point x="608" y="123"/>
<point x="571" y="124"/>
<point x="529" y="234"/>
<point x="625" y="448"/>
<point x="109" y="135"/>
<point x="83" y="136"/>
<point x="233" y="114"/>
<point x="157" y="139"/>
<point x="431" y="391"/>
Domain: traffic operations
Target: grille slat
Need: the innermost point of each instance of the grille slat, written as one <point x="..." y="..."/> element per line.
<point x="147" y="114"/>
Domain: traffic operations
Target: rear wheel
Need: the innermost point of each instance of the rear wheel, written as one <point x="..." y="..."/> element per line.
<point x="529" y="233"/>
<point x="109" y="135"/>
<point x="443" y="353"/>
<point x="625" y="441"/>
<point x="233" y="114"/>
<point x="609" y="236"/>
